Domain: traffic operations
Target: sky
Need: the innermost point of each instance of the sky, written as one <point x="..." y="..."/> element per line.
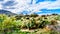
<point x="31" y="6"/>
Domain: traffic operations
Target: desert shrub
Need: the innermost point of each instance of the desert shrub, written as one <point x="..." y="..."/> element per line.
<point x="8" y="24"/>
<point x="34" y="15"/>
<point x="54" y="14"/>
<point x="31" y="23"/>
<point x="12" y="25"/>
<point x="43" y="24"/>
<point x="20" y="23"/>
<point x="53" y="22"/>
<point x="58" y="17"/>
<point x="50" y="32"/>
<point x="3" y="17"/>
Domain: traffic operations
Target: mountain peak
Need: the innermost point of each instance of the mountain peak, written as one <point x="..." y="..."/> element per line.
<point x="6" y="12"/>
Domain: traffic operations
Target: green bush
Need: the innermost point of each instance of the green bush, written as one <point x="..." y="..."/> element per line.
<point x="10" y="25"/>
<point x="31" y="23"/>
<point x="58" y="17"/>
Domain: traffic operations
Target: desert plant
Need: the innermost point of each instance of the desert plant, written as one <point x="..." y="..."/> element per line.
<point x="43" y="24"/>
<point x="31" y="23"/>
<point x="58" y="17"/>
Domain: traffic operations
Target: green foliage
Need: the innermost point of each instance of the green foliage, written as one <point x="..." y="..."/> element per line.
<point x="13" y="24"/>
<point x="33" y="15"/>
<point x="50" y="32"/>
<point x="43" y="24"/>
<point x="2" y="17"/>
<point x="58" y="17"/>
<point x="7" y="23"/>
<point x="30" y="25"/>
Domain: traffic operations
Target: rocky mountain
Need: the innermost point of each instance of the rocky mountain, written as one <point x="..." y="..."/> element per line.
<point x="6" y="12"/>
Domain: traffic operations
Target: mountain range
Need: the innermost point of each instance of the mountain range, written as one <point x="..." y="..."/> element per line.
<point x="7" y="12"/>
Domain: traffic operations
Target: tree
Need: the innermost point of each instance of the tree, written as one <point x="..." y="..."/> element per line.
<point x="34" y="15"/>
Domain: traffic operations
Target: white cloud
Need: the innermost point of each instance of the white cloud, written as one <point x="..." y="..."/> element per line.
<point x="0" y="6"/>
<point x="24" y="5"/>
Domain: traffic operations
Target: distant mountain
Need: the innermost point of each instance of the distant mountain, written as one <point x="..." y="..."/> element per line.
<point x="7" y="12"/>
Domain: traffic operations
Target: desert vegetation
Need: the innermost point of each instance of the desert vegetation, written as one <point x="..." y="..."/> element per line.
<point x="30" y="24"/>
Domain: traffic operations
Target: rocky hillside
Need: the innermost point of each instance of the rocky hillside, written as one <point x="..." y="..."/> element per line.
<point x="6" y="12"/>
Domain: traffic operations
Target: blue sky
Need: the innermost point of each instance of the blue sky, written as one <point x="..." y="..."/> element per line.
<point x="31" y="6"/>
